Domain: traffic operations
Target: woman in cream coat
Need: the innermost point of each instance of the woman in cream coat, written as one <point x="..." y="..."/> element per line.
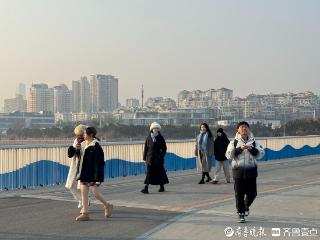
<point x="74" y="154"/>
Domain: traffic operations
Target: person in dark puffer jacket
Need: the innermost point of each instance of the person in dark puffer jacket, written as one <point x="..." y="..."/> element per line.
<point x="220" y="147"/>
<point x="244" y="150"/>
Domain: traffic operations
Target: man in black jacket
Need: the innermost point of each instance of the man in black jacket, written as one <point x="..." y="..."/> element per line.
<point x="244" y="150"/>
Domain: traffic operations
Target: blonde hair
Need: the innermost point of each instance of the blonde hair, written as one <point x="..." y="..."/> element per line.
<point x="80" y="129"/>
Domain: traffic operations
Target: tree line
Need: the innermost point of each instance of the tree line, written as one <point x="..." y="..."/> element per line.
<point x="116" y="132"/>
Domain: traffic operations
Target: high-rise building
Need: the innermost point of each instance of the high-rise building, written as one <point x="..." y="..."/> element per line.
<point x="161" y="103"/>
<point x="182" y="96"/>
<point x="104" y="93"/>
<point x="40" y="98"/>
<point x="132" y="103"/>
<point x="94" y="92"/>
<point x="15" y="104"/>
<point x="204" y="99"/>
<point x="112" y="94"/>
<point x="224" y="95"/>
<point x="76" y="96"/>
<point x="62" y="99"/>
<point x="21" y="90"/>
<point x="85" y="99"/>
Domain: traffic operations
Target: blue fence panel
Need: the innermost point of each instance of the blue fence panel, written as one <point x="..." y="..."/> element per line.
<point x="47" y="172"/>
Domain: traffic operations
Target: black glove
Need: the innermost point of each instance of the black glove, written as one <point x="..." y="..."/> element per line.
<point x="71" y="151"/>
<point x="254" y="152"/>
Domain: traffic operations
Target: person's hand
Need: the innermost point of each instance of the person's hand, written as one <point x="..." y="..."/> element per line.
<point x="249" y="148"/>
<point x="234" y="164"/>
<point x="243" y="147"/>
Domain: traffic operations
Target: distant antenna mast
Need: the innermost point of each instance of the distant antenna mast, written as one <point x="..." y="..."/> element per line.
<point x="142" y="95"/>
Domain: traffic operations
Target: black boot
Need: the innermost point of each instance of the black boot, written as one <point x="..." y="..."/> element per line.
<point x="202" y="179"/>
<point x="208" y="177"/>
<point x="145" y="189"/>
<point x="161" y="189"/>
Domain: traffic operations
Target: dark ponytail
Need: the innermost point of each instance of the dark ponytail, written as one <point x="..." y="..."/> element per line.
<point x="91" y="131"/>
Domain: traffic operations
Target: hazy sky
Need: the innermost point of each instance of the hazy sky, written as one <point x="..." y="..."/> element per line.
<point x="250" y="46"/>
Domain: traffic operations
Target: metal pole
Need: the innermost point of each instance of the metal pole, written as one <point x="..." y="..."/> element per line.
<point x="284" y="124"/>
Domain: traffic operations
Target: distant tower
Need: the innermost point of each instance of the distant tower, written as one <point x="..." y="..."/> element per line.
<point x="142" y="95"/>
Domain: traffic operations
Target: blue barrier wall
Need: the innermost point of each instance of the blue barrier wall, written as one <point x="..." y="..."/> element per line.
<point x="32" y="167"/>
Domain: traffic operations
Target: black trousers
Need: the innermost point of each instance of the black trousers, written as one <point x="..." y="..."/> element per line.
<point x="245" y="190"/>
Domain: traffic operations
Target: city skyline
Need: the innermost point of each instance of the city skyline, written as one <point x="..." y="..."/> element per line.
<point x="249" y="47"/>
<point x="96" y="98"/>
<point x="98" y="94"/>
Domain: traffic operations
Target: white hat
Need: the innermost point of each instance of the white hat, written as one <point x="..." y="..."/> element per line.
<point x="155" y="125"/>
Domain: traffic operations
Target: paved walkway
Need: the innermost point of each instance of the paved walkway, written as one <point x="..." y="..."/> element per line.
<point x="287" y="203"/>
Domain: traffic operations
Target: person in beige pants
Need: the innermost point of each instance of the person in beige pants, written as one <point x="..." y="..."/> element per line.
<point x="74" y="155"/>
<point x="220" y="147"/>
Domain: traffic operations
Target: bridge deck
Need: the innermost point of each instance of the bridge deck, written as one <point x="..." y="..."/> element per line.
<point x="288" y="197"/>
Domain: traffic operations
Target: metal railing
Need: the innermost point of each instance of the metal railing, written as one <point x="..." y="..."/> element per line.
<point x="42" y="165"/>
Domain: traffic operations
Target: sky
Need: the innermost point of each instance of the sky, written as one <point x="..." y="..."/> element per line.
<point x="249" y="46"/>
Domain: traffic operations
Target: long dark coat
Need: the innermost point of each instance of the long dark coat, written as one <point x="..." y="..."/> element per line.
<point x="220" y="147"/>
<point x="153" y="155"/>
<point x="92" y="169"/>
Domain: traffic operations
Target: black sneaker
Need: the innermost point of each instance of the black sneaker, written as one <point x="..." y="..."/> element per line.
<point x="145" y="191"/>
<point x="201" y="181"/>
<point x="161" y="189"/>
<point x="214" y="181"/>
<point x="241" y="218"/>
<point x="209" y="179"/>
<point x="246" y="213"/>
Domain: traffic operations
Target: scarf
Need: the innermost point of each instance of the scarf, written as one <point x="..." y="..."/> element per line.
<point x="153" y="136"/>
<point x="203" y="141"/>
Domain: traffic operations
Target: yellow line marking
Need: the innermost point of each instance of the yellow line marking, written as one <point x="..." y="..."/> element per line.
<point x="210" y="201"/>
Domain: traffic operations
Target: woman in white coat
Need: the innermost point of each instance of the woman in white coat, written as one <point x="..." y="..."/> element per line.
<point x="74" y="154"/>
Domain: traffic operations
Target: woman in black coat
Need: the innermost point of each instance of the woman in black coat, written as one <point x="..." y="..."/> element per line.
<point x="220" y="147"/>
<point x="90" y="173"/>
<point x="155" y="149"/>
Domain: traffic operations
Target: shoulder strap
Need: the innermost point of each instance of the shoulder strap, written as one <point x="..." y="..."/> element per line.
<point x="235" y="142"/>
